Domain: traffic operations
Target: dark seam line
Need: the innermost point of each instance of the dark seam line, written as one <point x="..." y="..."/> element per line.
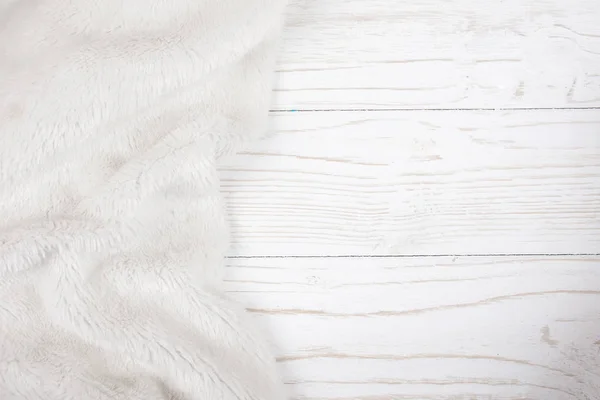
<point x="434" y="109"/>
<point x="424" y="255"/>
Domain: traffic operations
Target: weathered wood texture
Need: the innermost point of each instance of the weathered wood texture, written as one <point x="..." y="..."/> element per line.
<point x="461" y="128"/>
<point x="339" y="183"/>
<point x="385" y="54"/>
<point x="429" y="328"/>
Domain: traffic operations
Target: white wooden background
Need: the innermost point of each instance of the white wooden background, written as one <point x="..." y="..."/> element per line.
<point x="424" y="221"/>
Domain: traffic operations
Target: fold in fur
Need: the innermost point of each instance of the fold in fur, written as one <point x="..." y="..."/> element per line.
<point x="112" y="226"/>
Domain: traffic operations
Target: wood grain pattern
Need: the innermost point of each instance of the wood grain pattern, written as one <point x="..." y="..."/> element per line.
<point x="377" y="183"/>
<point x="429" y="328"/>
<point x="348" y="54"/>
<point x="496" y="164"/>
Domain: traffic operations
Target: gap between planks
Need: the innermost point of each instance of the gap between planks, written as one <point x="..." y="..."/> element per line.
<point x="307" y="110"/>
<point x="418" y="255"/>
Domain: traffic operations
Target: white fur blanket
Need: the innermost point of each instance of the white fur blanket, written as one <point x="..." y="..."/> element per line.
<point x="112" y="227"/>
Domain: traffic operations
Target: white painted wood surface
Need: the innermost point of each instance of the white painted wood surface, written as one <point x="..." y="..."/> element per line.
<point x="429" y="227"/>
<point x="429" y="328"/>
<point x="384" y="54"/>
<point x="419" y="183"/>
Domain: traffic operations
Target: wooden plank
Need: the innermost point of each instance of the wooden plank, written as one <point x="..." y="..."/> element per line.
<point x="345" y="54"/>
<point x="418" y="183"/>
<point x="429" y="328"/>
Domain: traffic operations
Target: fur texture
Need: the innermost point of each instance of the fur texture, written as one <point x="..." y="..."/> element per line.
<point x="112" y="226"/>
